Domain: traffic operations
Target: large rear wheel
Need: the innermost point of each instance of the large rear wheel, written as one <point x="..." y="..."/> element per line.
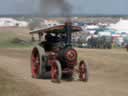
<point x="56" y="71"/>
<point x="35" y="65"/>
<point x="36" y="68"/>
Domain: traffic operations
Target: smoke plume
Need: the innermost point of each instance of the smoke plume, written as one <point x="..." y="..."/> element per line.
<point x="59" y="7"/>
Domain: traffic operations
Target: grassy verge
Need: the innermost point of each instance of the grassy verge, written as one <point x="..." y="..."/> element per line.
<point x="7" y="40"/>
<point x="11" y="87"/>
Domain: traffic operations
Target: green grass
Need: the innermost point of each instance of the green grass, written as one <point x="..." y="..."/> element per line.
<point x="6" y="41"/>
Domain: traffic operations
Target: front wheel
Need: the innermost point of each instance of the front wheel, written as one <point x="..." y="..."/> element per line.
<point x="83" y="71"/>
<point x="56" y="71"/>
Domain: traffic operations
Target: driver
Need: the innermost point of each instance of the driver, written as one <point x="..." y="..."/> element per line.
<point x="52" y="42"/>
<point x="52" y="39"/>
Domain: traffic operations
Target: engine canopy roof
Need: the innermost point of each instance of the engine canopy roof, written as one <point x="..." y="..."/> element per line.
<point x="56" y="29"/>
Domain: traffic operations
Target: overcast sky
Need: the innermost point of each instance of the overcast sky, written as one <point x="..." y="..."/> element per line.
<point x="109" y="7"/>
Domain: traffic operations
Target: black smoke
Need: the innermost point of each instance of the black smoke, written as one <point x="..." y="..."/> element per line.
<point x="55" y="7"/>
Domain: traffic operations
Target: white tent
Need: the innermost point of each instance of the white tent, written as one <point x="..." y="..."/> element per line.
<point x="7" y="22"/>
<point x="10" y="22"/>
<point x="121" y="26"/>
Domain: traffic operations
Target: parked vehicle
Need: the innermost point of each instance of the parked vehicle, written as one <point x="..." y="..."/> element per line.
<point x="100" y="40"/>
<point x="119" y="42"/>
<point x="127" y="47"/>
<point x="104" y="42"/>
<point x="126" y="43"/>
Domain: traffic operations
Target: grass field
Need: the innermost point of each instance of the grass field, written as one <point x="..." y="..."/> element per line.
<point x="8" y="37"/>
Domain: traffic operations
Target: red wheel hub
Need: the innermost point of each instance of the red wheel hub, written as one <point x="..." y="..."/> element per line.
<point x="71" y="55"/>
<point x="54" y="71"/>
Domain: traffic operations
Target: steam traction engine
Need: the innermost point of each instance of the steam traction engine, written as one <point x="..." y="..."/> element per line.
<point x="55" y="57"/>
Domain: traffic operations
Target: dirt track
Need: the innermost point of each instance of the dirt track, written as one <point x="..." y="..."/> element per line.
<point x="108" y="76"/>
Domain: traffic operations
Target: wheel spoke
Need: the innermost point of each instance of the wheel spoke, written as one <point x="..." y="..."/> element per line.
<point x="56" y="71"/>
<point x="35" y="65"/>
